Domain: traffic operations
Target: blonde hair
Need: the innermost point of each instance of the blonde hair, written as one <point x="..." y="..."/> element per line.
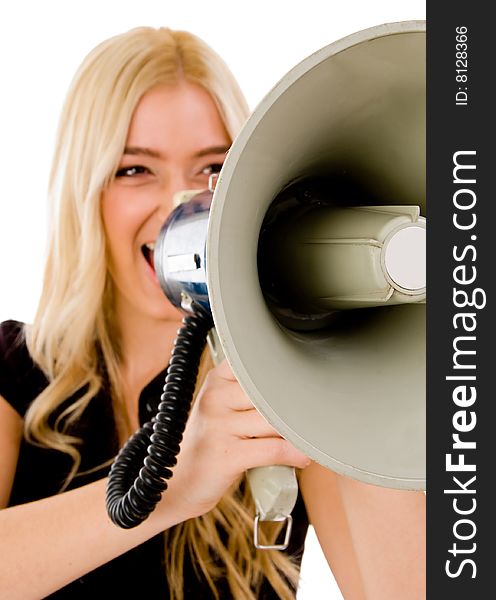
<point x="73" y="332"/>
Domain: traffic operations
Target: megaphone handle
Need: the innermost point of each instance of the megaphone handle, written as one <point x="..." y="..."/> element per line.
<point x="274" y="488"/>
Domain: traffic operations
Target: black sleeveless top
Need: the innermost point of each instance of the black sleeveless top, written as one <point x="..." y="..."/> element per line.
<point x="40" y="473"/>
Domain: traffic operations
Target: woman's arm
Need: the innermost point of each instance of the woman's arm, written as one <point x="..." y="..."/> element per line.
<point x="326" y="513"/>
<point x="10" y="438"/>
<point x="46" y="544"/>
<point x="373" y="537"/>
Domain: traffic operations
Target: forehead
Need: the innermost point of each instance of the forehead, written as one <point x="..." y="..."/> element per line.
<point x="182" y="114"/>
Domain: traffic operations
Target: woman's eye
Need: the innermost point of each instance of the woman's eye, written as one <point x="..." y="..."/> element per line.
<point x="211" y="169"/>
<point x="131" y="171"/>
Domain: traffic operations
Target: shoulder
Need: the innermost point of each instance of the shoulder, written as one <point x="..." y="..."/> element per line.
<point x="13" y="348"/>
<point x="20" y="379"/>
<point x="11" y="333"/>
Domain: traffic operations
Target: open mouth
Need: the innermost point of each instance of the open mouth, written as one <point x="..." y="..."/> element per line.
<point x="148" y="250"/>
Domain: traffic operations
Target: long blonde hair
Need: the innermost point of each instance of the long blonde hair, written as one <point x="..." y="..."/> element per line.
<point x="73" y="331"/>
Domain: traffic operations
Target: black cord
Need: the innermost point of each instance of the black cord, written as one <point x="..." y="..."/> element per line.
<point x="139" y="474"/>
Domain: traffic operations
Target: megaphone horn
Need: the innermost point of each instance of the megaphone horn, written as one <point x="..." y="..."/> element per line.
<point x="347" y="387"/>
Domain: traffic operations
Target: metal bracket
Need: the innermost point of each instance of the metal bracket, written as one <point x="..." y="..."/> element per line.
<point x="256" y="536"/>
<point x="212" y="181"/>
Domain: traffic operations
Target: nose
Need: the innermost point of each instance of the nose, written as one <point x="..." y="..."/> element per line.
<point x="176" y="183"/>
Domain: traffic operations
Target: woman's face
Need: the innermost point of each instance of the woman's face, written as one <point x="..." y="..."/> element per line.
<point x="176" y="139"/>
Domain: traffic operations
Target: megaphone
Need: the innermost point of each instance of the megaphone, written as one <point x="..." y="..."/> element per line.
<point x="352" y="395"/>
<point x="311" y="256"/>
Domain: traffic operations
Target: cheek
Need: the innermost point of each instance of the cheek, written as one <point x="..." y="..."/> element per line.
<point x="123" y="216"/>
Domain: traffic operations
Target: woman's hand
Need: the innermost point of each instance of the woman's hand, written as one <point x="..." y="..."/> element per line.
<point x="225" y="435"/>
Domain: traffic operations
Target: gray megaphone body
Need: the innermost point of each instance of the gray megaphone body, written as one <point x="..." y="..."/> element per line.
<point x="311" y="259"/>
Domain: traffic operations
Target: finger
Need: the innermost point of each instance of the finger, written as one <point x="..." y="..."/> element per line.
<point x="221" y="394"/>
<point x="224" y="371"/>
<point x="251" y="424"/>
<point x="262" y="452"/>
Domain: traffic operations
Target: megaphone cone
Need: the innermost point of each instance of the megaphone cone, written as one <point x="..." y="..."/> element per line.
<point x="350" y="393"/>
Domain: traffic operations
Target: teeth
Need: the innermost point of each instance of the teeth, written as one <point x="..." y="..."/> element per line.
<point x="150" y="246"/>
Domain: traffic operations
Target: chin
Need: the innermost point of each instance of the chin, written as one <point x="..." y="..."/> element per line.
<point x="164" y="311"/>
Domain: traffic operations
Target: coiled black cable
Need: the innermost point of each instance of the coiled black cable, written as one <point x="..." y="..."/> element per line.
<point x="139" y="474"/>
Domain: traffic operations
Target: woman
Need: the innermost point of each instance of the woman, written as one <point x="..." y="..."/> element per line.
<point x="150" y="113"/>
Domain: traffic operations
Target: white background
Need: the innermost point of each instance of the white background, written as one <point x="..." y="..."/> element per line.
<point x="43" y="42"/>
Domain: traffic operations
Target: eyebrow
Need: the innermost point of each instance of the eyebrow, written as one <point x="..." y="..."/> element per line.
<point x="143" y="151"/>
